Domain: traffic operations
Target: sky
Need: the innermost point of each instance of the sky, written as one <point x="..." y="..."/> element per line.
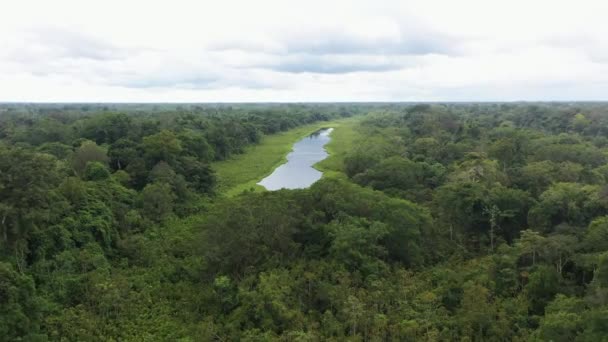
<point x="303" y="51"/>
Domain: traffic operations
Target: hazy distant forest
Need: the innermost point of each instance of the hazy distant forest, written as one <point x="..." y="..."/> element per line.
<point x="437" y="222"/>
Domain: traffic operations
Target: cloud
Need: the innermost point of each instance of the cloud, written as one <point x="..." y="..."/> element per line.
<point x="340" y="42"/>
<point x="591" y="44"/>
<point x="420" y="43"/>
<point x="200" y="72"/>
<point x="274" y="50"/>
<point x="70" y="44"/>
<point x="191" y="82"/>
<point x="334" y="64"/>
<point x="61" y="43"/>
<point x="379" y="45"/>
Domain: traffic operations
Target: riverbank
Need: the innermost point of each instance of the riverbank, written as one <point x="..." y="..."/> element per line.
<point x="343" y="140"/>
<point x="242" y="172"/>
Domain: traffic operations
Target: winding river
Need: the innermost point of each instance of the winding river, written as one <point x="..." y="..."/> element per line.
<point x="298" y="172"/>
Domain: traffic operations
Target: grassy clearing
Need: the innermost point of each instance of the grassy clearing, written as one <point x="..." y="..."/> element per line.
<point x="242" y="172"/>
<point x="343" y="140"/>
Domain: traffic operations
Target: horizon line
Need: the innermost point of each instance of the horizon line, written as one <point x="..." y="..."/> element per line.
<point x="301" y="102"/>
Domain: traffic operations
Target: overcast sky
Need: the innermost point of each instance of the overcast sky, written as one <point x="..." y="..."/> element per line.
<point x="306" y="50"/>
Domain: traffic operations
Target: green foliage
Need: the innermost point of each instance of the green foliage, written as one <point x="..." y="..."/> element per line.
<point x="163" y="146"/>
<point x="157" y="200"/>
<point x="19" y="306"/>
<point x="434" y="222"/>
<point x="408" y="223"/>
<point x="107" y="127"/>
<point x="596" y="237"/>
<point x="87" y="152"/>
<point x="402" y="177"/>
<point x="57" y="149"/>
<point x="195" y="145"/>
<point x="96" y="171"/>
<point x="541" y="288"/>
<point x="568" y="203"/>
<point x="563" y="320"/>
<point x="357" y="244"/>
<point x="122" y="152"/>
<point x="271" y="224"/>
<point x="27" y="180"/>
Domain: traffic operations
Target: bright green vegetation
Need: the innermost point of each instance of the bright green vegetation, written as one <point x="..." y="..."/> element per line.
<point x="442" y="222"/>
<point x="241" y="172"/>
<point x="343" y="138"/>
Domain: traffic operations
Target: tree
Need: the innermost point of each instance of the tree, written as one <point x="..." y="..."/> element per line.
<point x="569" y="172"/>
<point x="57" y="149"/>
<point x="195" y="145"/>
<point x="536" y="176"/>
<point x="20" y="310"/>
<point x="163" y="146"/>
<point x="427" y="148"/>
<point x="27" y="181"/>
<point x="122" y="152"/>
<point x="558" y="249"/>
<point x="505" y="272"/>
<point x="87" y="152"/>
<point x="408" y="223"/>
<point x="541" y="288"/>
<point x="573" y="151"/>
<point x="402" y="177"/>
<point x="395" y="172"/>
<point x="513" y="206"/>
<point x="531" y="243"/>
<point x="227" y="293"/>
<point x="478" y="168"/>
<point x="601" y="277"/>
<point x="494" y="215"/>
<point x="580" y="122"/>
<point x="477" y="312"/>
<point x="199" y="175"/>
<point x="596" y="236"/>
<point x="369" y="154"/>
<point x="460" y="206"/>
<point x="596" y="325"/>
<point x="107" y="127"/>
<point x="354" y="311"/>
<point x="162" y="173"/>
<point x="157" y="201"/>
<point x="47" y="129"/>
<point x="122" y="177"/>
<point x="563" y="320"/>
<point x="138" y="171"/>
<point x="357" y="243"/>
<point x="241" y="235"/>
<point x="96" y="171"/>
<point x="510" y="151"/>
<point x="357" y="163"/>
<point x="597" y="292"/>
<point x="565" y="203"/>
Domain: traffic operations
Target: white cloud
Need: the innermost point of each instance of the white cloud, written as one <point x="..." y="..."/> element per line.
<point x="272" y="50"/>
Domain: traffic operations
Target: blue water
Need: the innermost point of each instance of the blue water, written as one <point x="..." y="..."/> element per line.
<point x="298" y="172"/>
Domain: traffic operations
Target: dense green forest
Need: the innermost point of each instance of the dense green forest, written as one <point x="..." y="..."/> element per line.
<point x="469" y="222"/>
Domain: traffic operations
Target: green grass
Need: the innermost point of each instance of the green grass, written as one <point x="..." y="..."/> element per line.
<point x="242" y="172"/>
<point x="343" y="140"/>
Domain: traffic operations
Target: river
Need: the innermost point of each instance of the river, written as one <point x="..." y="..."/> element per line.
<point x="298" y="172"/>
